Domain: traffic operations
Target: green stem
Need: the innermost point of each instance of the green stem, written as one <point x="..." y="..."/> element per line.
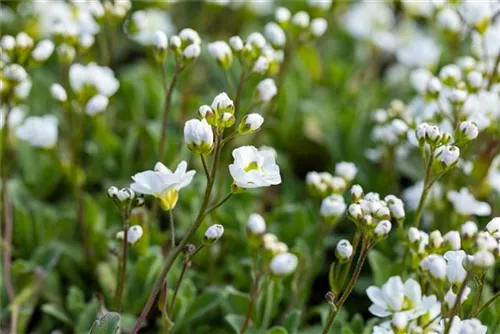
<point x="218" y="204"/>
<point x="479" y="293"/>
<point x="485" y="305"/>
<point x="172" y="228"/>
<point x="169" y="260"/>
<point x="123" y="261"/>
<point x="205" y="168"/>
<point x="268" y="309"/>
<point x="253" y="296"/>
<point x="425" y="191"/>
<point x="458" y="302"/>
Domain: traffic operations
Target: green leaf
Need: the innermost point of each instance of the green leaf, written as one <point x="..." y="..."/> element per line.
<point x="204" y="303"/>
<point x="235" y="321"/>
<point x="75" y="301"/>
<point x="277" y="330"/>
<point x="381" y="266"/>
<point x="292" y="321"/>
<point x="57" y="312"/>
<point x="107" y="324"/>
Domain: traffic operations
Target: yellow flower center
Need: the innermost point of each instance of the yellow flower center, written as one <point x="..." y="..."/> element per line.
<point x="168" y="200"/>
<point x="252" y="166"/>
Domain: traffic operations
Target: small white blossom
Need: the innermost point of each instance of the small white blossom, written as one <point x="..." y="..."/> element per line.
<point x="344" y="250"/>
<point x="266" y="90"/>
<point x="24" y="41"/>
<point x="221" y="51"/>
<point x="483" y="259"/>
<point x="58" y="92"/>
<point x="222" y="103"/>
<point x="256" y="224"/>
<point x="333" y="206"/>
<point x="468" y="229"/>
<point x="450" y="298"/>
<point x="199" y="136"/>
<point x="134" y="233"/>
<point x="355" y="211"/>
<point x="43" y="50"/>
<point x="96" y="105"/>
<point x="455" y="271"/>
<point x="452" y="238"/>
<point x="93" y="76"/>
<point x="436" y="265"/>
<point x="213" y="234"/>
<point x="282" y="15"/>
<point x="190" y="36"/>
<point x="283" y="264"/>
<point x="256" y="40"/>
<point x="39" y="131"/>
<point x="493" y="227"/>
<point x="346" y="170"/>
<point x="160" y="40"/>
<point x="467" y="326"/>
<point x="301" y="19"/>
<point x="465" y="204"/>
<point x="15" y="73"/>
<point x="436" y="239"/>
<point x="318" y="27"/>
<point x="254" y="168"/>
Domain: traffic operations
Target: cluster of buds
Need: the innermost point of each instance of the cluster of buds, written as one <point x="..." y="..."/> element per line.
<point x="300" y="25"/>
<point x="324" y="184"/>
<point x="373" y="215"/>
<point x="213" y="234"/>
<point x="432" y="135"/>
<point x="221" y="113"/>
<point x="125" y="198"/>
<point x="392" y="124"/>
<point x="186" y="46"/>
<point x="22" y="50"/>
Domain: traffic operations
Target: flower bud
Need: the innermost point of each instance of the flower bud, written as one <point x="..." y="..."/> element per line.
<point x="450" y="75"/>
<point x="207" y="113"/>
<point x="191" y="52"/>
<point x="227" y="120"/>
<point x="15" y="73"/>
<point x="433" y="88"/>
<point x="222" y="52"/>
<point x="301" y="19"/>
<point x="436" y="265"/>
<point x="222" y="103"/>
<point x="468" y="130"/>
<point x="188" y="251"/>
<point x="452" y="239"/>
<point x="483" y="259"/>
<point x="113" y="192"/>
<point x="43" y="50"/>
<point x="399" y="322"/>
<point x="344" y="250"/>
<point x="7" y="43"/>
<point x="436" y="239"/>
<point x="275" y="35"/>
<point x="414" y="235"/>
<point x="236" y="44"/>
<point x="58" y="93"/>
<point x="367" y="221"/>
<point x="23" y="41"/>
<point x="96" y="105"/>
<point x="318" y="27"/>
<point x="468" y="229"/>
<point x="160" y="42"/>
<point x="261" y="65"/>
<point x="256" y="40"/>
<point x="356" y="193"/>
<point x="355" y="212"/>
<point x="283" y="264"/>
<point x="330" y="298"/>
<point x="134" y="234"/>
<point x="66" y="53"/>
<point x="433" y="134"/>
<point x="250" y="123"/>
<point x="493" y="227"/>
<point x="213" y="234"/>
<point x="383" y="213"/>
<point x="383" y="228"/>
<point x="199" y="136"/>
<point x="421" y="133"/>
<point x="458" y="97"/>
<point x="474" y="81"/>
<point x="266" y="90"/>
<point x="256" y="224"/>
<point x="175" y="45"/>
<point x="447" y="155"/>
<point x="346" y="170"/>
<point x="125" y="195"/>
<point x="332" y="207"/>
<point x="282" y="16"/>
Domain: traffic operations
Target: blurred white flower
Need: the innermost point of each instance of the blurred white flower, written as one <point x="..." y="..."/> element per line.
<point x="192" y="51"/>
<point x="282" y="15"/>
<point x="383" y="228"/>
<point x="43" y="50"/>
<point x="213" y="234"/>
<point x="16" y="116"/>
<point x="450" y="299"/>
<point x="134" y="233"/>
<point x="449" y="20"/>
<point x="332" y="207"/>
<point x="419" y="79"/>
<point x="320" y="4"/>
<point x="58" y="92"/>
<point x="436" y="265"/>
<point x="283" y="264"/>
<point x="144" y="24"/>
<point x="39" y="131"/>
<point x="199" y="136"/>
<point x="468" y="229"/>
<point x="261" y="65"/>
<point x="221" y="51"/>
<point x="160" y="40"/>
<point x="465" y="204"/>
<point x="15" y="73"/>
<point x="266" y="90"/>
<point x="254" y="168"/>
<point x="162" y="183"/>
<point x="483" y="259"/>
<point x="452" y="238"/>
<point x="419" y="52"/>
<point x="222" y="103"/>
<point x="493" y="227"/>
<point x="476" y="13"/>
<point x="365" y="18"/>
<point x="469" y="130"/>
<point x="96" y="105"/>
<point x="256" y="224"/>
<point x="256" y="40"/>
<point x="92" y="76"/>
<point x="236" y="43"/>
<point x="493" y="177"/>
<point x="301" y="19"/>
<point x="467" y="326"/>
<point x="275" y="35"/>
<point x="455" y="271"/>
<point x="318" y="26"/>
<point x="346" y="170"/>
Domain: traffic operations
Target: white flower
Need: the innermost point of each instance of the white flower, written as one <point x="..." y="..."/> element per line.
<point x="476" y="13"/>
<point x="467" y="326"/>
<point x="190" y="36"/>
<point x="261" y="65"/>
<point x="396" y="206"/>
<point x="43" y="50"/>
<point x="266" y="90"/>
<point x="283" y="264"/>
<point x="221" y="51"/>
<point x="236" y="43"/>
<point x="447" y="154"/>
<point x="468" y="229"/>
<point x="24" y="41"/>
<point x="58" y="92"/>
<point x="254" y="168"/>
<point x="469" y="130"/>
<point x="22" y="90"/>
<point x="450" y="74"/>
<point x="419" y="52"/>
<point x="15" y="73"/>
<point x="333" y="206"/>
<point x="256" y="224"/>
<point x="483" y="259"/>
<point x="484" y="240"/>
<point x="390" y="298"/>
<point x="99" y="78"/>
<point x="250" y="123"/>
<point x="318" y="26"/>
<point x="192" y="51"/>
<point x="301" y="19"/>
<point x="147" y="22"/>
<point x="320" y="4"/>
<point x="8" y="43"/>
<point x="96" y="105"/>
<point x="455" y="271"/>
<point x="256" y="40"/>
<point x="419" y="79"/>
<point x="124" y="194"/>
<point x="346" y="170"/>
<point x="16" y="116"/>
<point x="275" y="34"/>
<point x="449" y="20"/>
<point x="452" y="238"/>
<point x="213" y="234"/>
<point x="436" y="265"/>
<point x="451" y="298"/>
<point x="199" y="136"/>
<point x="436" y="239"/>
<point x="160" y="40"/>
<point x="494" y="227"/>
<point x="356" y="192"/>
<point x="465" y="204"/>
<point x="162" y="183"/>
<point x="383" y="228"/>
<point x="344" y="250"/>
<point x="134" y="233"/>
<point x="39" y="131"/>
<point x="282" y="15"/>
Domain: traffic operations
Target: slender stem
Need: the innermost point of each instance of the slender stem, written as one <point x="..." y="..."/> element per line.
<point x="268" y="308"/>
<point x="494" y="71"/>
<point x="239" y="89"/>
<point x="253" y="296"/>
<point x="430" y="322"/>
<point x="172" y="228"/>
<point x="187" y="263"/>
<point x="485" y="305"/>
<point x="6" y="211"/>
<point x="222" y="201"/>
<point x="169" y="260"/>
<point x="123" y="261"/>
<point x="229" y="80"/>
<point x="355" y="245"/>
<point x="479" y="293"/>
<point x="167" y="107"/>
<point x="228" y="138"/>
<point x="425" y="191"/>
<point x="350" y="285"/>
<point x="458" y="302"/>
<point x="205" y="167"/>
